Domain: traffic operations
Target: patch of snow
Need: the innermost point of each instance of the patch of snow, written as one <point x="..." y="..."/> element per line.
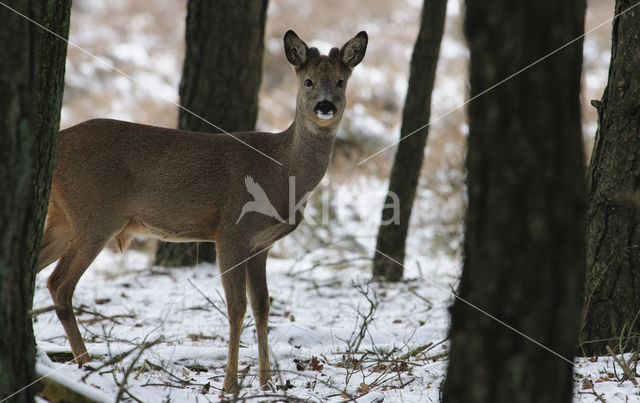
<point x="323" y="46"/>
<point x="451" y="49"/>
<point x="453" y="8"/>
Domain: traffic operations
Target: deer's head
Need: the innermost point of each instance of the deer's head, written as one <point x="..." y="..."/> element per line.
<point x="322" y="80"/>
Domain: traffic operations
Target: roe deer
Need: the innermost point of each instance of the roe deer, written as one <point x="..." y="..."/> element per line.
<point x="117" y="179"/>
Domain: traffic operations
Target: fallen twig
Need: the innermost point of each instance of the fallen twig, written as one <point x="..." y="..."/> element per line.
<point x="223" y="313"/>
<point x="625" y="368"/>
<point x="182" y="381"/>
<point x="415" y="351"/>
<point x="322" y="263"/>
<point x="119" y="357"/>
<point x="105" y="317"/>
<point x="598" y="397"/>
<point x="412" y="291"/>
<point x="122" y="384"/>
<point x="123" y="389"/>
<point x="36" y="312"/>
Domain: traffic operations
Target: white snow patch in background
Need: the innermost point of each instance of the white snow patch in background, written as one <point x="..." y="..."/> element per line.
<point x="450" y="49"/>
<point x="453" y="8"/>
<point x="131" y="51"/>
<point x="323" y="46"/>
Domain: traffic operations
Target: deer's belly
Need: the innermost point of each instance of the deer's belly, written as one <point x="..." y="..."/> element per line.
<point x="170" y="229"/>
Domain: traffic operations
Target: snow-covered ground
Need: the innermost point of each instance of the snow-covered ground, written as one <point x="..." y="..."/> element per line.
<point x="315" y="313"/>
<point x="334" y="335"/>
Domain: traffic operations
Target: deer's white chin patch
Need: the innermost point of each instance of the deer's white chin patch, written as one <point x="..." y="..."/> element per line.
<point x="325" y="116"/>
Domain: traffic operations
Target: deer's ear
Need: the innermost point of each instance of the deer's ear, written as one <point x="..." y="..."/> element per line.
<point x="295" y="49"/>
<point x="353" y="51"/>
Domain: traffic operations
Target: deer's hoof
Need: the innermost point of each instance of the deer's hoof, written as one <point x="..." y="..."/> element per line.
<point x="82" y="359"/>
<point x="266" y="383"/>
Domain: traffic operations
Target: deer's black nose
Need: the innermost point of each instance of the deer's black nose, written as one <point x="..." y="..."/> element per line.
<point x="325" y="107"/>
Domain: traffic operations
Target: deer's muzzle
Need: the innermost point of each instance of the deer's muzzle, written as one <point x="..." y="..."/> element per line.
<point x="325" y="109"/>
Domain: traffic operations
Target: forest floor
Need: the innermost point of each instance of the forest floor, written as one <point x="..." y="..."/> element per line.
<point x="158" y="334"/>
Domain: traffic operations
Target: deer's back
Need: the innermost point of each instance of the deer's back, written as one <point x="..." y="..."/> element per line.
<point x="164" y="181"/>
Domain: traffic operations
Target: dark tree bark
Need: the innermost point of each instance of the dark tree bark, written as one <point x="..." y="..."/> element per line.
<point x="405" y="173"/>
<point x="31" y="84"/>
<point x="220" y="83"/>
<point x="525" y="227"/>
<point x="612" y="295"/>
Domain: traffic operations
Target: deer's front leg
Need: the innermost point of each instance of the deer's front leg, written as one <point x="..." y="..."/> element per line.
<point x="232" y="262"/>
<point x="259" y="297"/>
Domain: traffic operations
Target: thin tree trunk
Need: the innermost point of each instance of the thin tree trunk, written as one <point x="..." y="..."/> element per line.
<point x="31" y="84"/>
<point x="405" y="173"/>
<point x="220" y="83"/>
<point x="612" y="295"/>
<point x="524" y="239"/>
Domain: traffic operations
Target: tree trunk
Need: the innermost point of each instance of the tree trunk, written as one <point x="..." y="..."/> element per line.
<point x="405" y="173"/>
<point x="31" y="84"/>
<point x="220" y="83"/>
<point x="612" y="295"/>
<point x="524" y="238"/>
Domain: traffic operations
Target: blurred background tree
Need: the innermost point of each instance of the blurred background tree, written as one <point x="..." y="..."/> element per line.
<point x="31" y="83"/>
<point x="612" y="295"/>
<point x="408" y="160"/>
<point x="220" y="82"/>
<point x="524" y="235"/>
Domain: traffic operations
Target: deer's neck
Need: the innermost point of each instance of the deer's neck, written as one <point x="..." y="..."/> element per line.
<point x="310" y="152"/>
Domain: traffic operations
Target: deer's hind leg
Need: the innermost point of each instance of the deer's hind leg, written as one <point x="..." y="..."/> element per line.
<point x="76" y="258"/>
<point x="55" y="237"/>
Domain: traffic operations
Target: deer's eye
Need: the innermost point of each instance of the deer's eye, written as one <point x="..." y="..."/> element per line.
<point x="308" y="83"/>
<point x="340" y="83"/>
